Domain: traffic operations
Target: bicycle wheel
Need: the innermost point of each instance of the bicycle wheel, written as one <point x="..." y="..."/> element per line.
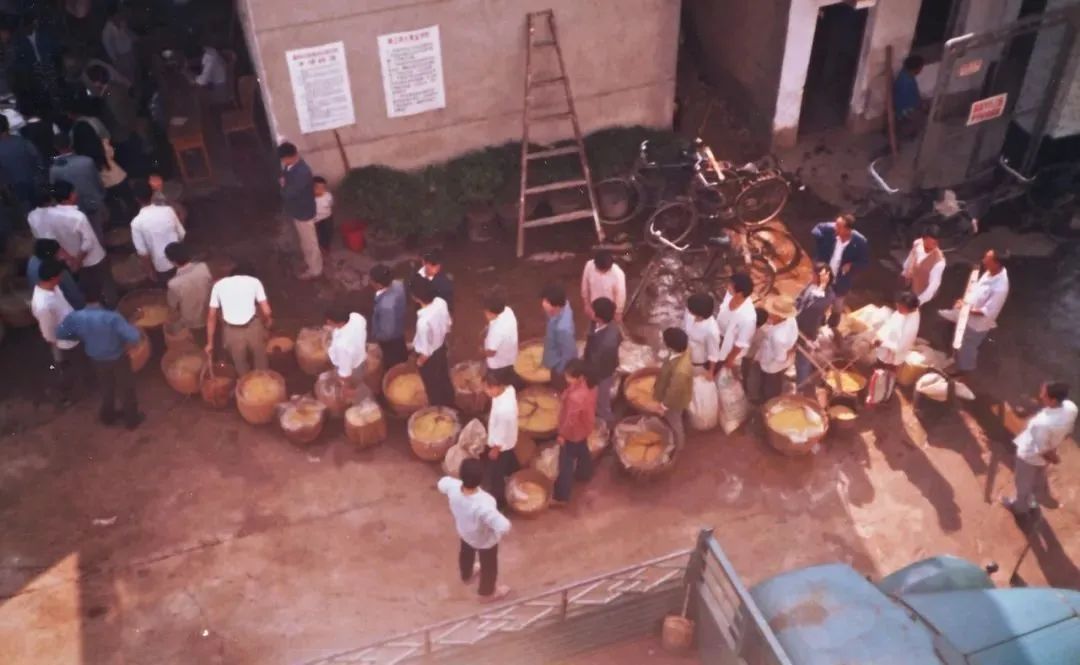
<point x="618" y="200"/>
<point x="762" y="200"/>
<point x="674" y="221"/>
<point x="761" y="272"/>
<point x="712" y="201"/>
<point x="777" y="245"/>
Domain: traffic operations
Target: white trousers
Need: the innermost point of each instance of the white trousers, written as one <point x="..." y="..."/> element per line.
<point x="309" y="245"/>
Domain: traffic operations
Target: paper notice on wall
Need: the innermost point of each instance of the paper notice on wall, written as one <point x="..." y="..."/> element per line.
<point x="321" y="90"/>
<point x="412" y="71"/>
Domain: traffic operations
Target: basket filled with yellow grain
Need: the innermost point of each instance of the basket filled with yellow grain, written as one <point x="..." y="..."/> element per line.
<point x="538" y="411"/>
<point x="145" y="308"/>
<point x="528" y="492"/>
<point x="845" y="382"/>
<point x="183" y="369"/>
<point x="842" y="415"/>
<point x="312" y="345"/>
<point x="638" y="390"/>
<point x="177" y="335"/>
<point x="404" y="390"/>
<point x="373" y="368"/>
<point x="795" y="425"/>
<point x="470" y="395"/>
<point x="257" y="395"/>
<point x="432" y="431"/>
<point x="139" y="353"/>
<point x="645" y="445"/>
<point x="301" y="418"/>
<point x="365" y="425"/>
<point x="529" y="364"/>
<point x="599" y="439"/>
<point x="218" y="384"/>
<point x="127" y="271"/>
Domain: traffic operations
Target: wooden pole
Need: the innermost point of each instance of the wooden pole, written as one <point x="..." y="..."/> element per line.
<point x="890" y="112"/>
<point x="341" y="149"/>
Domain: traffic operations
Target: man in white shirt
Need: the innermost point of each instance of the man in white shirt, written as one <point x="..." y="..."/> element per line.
<point x="502" y="433"/>
<point x="987" y="299"/>
<point x="211" y="73"/>
<point x="50" y="308"/>
<point x="896" y="338"/>
<point x="702" y="333"/>
<point x="1038" y="443"/>
<point x="737" y="320"/>
<point x="432" y="325"/>
<point x="501" y="339"/>
<point x="924" y="265"/>
<point x="348" y="350"/>
<point x="240" y="300"/>
<point x="480" y="526"/>
<point x="67" y="225"/>
<point x="119" y="43"/>
<point x="603" y="278"/>
<point x="152" y="230"/>
<point x="776" y="351"/>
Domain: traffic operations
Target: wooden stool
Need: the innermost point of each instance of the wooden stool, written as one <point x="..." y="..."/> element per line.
<point x="185" y="138"/>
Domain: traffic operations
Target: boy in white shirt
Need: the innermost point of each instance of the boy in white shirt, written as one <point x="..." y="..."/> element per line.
<point x="348" y="350"/>
<point x="480" y="526"/>
<point x="152" y="230"/>
<point x="897" y="337"/>
<point x="702" y="333"/>
<point x="50" y="308"/>
<point x="501" y="339"/>
<point x="432" y="325"/>
<point x="502" y="433"/>
<point x="1038" y="443"/>
<point x="324" y="214"/>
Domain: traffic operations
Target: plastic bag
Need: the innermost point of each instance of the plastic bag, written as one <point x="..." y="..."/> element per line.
<point x="451" y="464"/>
<point x="473" y="438"/>
<point x="936" y="387"/>
<point x="547" y="462"/>
<point x="734" y="407"/>
<point x="881" y="386"/>
<point x="704" y="406"/>
<point x="330" y="390"/>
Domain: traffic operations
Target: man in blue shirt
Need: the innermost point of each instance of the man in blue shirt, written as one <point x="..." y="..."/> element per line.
<point x="388" y="317"/>
<point x="105" y="336"/>
<point x="83" y="174"/>
<point x="907" y="102"/>
<point x="21" y="168"/>
<point x="838" y="245"/>
<point x="298" y="201"/>
<point x="560" y="347"/>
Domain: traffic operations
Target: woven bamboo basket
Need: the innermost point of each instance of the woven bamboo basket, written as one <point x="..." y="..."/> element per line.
<point x="791" y="442"/>
<point x="259" y="410"/>
<point x="534" y="398"/>
<point x="139" y="354"/>
<point x="402" y="410"/>
<point x="433" y="450"/>
<point x="301" y="419"/>
<point x="638" y="460"/>
<point x="365" y="425"/>
<point x="311" y="350"/>
<point x="843" y="414"/>
<point x="183" y="369"/>
<point x="528" y="492"/>
<point x="470" y="396"/>
<point x="637" y="390"/>
<point x="529" y="353"/>
<point x="218" y="384"/>
<point x="146" y="308"/>
<point x="177" y="335"/>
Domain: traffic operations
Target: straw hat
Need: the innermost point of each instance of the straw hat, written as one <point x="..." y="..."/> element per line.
<point x="782" y="306"/>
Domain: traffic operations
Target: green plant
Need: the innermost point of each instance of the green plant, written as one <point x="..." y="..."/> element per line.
<point x="476" y="177"/>
<point x="612" y="151"/>
<point x="388" y="198"/>
<point x="440" y="209"/>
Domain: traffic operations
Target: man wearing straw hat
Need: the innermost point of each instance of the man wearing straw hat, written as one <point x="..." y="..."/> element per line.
<point x="775" y="353"/>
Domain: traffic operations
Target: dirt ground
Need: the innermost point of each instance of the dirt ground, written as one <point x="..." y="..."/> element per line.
<point x="200" y="539"/>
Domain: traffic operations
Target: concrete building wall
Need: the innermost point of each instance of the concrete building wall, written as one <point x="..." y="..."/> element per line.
<point x="1065" y="117"/>
<point x="739" y="51"/>
<point x="620" y="56"/>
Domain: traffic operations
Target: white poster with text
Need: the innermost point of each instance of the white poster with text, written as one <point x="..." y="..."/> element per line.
<point x="321" y="90"/>
<point x="412" y="72"/>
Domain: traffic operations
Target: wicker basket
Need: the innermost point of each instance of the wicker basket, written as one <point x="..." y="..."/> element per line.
<point x="311" y="350"/>
<point x="373" y="369"/>
<point x="177" y="335"/>
<point x="540" y="377"/>
<point x="184" y="380"/>
<point x="401" y="410"/>
<point x="218" y="384"/>
<point x="433" y="451"/>
<point x="646" y="406"/>
<point x="362" y="428"/>
<point x="599" y="440"/>
<point x="527" y="400"/>
<point x="131" y="306"/>
<point x="139" y="354"/>
<point x="469" y="397"/>
<point x="305" y="432"/>
<point x="259" y="412"/>
<point x="664" y="460"/>
<point x="533" y="477"/>
<point x="677" y="634"/>
<point x="784" y="442"/>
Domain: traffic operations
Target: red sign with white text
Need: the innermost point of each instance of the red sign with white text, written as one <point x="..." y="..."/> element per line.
<point x="987" y="109"/>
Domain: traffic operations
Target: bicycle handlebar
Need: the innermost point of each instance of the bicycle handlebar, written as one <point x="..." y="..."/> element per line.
<point x="1004" y="163"/>
<point x="877" y="177"/>
<point x="660" y="237"/>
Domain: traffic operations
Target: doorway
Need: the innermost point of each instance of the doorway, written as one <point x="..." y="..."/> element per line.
<point x="834" y="61"/>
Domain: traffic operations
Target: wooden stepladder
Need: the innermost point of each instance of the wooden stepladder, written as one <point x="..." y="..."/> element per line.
<point x="539" y="37"/>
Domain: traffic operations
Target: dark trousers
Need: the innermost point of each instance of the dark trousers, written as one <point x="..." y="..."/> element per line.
<point x="163" y="277"/>
<point x="394" y="352"/>
<point x="489" y="566"/>
<point x="575" y="462"/>
<point x="508" y="377"/>
<point x="69" y="366"/>
<point x="115" y="376"/>
<point x="97" y="284"/>
<point x="435" y="374"/>
<point x="762" y="386"/>
<point x="505" y="465"/>
<point x="324" y="231"/>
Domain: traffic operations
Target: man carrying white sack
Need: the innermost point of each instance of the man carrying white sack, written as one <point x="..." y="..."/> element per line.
<point x="348" y="350"/>
<point x="985" y="300"/>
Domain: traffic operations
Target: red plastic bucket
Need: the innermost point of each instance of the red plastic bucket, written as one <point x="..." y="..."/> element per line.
<point x="353" y="234"/>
